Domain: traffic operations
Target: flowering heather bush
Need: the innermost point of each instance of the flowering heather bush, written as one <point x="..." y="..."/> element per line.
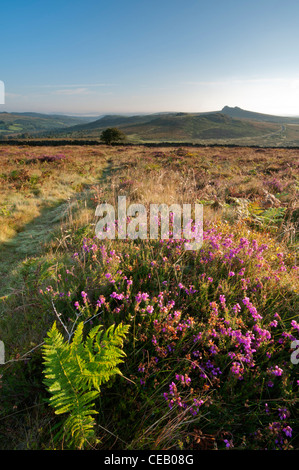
<point x="211" y="332"/>
<point x="275" y="185"/>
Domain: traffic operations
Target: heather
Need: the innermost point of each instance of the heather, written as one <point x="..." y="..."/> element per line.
<point x="208" y="350"/>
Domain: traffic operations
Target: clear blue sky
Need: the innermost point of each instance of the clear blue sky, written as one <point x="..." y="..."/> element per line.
<point x="131" y="56"/>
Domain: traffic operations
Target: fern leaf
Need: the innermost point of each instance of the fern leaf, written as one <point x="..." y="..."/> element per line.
<point x="74" y="372"/>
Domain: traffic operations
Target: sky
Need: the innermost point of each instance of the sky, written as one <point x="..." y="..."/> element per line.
<point x="97" y="57"/>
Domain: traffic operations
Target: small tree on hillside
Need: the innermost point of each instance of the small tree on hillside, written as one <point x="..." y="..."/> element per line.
<point x="112" y="135"/>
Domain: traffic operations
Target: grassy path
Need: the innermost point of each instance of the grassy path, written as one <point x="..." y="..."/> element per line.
<point x="30" y="241"/>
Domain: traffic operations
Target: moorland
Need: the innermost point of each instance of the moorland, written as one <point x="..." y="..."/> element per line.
<point x="140" y="344"/>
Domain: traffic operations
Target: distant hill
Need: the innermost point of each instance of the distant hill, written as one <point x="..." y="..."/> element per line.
<point x="113" y="121"/>
<point x="243" y="114"/>
<point x="173" y="127"/>
<point x="15" y="124"/>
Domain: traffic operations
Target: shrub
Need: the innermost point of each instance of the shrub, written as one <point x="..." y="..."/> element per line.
<point x="112" y="135"/>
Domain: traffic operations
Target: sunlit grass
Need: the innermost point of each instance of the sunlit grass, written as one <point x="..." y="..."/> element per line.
<point x="50" y="257"/>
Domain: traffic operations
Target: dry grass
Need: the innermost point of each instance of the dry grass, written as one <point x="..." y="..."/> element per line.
<point x="214" y="176"/>
<point x="29" y="186"/>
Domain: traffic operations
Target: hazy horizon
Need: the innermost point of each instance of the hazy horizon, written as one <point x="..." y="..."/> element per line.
<point x="96" y="58"/>
<point x="99" y="115"/>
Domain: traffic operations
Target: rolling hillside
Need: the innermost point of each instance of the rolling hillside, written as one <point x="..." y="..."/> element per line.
<point x="175" y="127"/>
<point x="16" y="124"/>
<point x="228" y="126"/>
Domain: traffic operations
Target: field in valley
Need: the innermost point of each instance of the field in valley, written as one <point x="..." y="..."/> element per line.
<point x="198" y="354"/>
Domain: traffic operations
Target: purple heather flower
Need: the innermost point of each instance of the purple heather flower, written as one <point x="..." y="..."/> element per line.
<point x="117" y="296"/>
<point x="275" y="371"/>
<point x="288" y="431"/>
<point x="295" y="324"/>
<point x="283" y="413"/>
<point x="227" y="444"/>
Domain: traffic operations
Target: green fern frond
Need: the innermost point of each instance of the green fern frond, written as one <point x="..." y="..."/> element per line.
<point x="74" y="373"/>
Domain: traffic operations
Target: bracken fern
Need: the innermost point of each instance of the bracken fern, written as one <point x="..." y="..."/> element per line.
<point x="74" y="373"/>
